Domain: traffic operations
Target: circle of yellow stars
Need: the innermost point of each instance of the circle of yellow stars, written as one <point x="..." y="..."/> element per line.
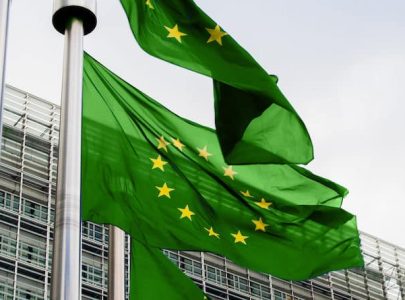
<point x="186" y="212"/>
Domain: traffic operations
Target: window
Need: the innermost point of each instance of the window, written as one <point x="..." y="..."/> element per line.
<point x="35" y="211"/>
<point x="238" y="283"/>
<point x="27" y="293"/>
<point x="215" y="275"/>
<point x="191" y="267"/>
<point x="6" y="291"/>
<point x="279" y="295"/>
<point x="8" y="246"/>
<point x="173" y="257"/>
<point x="9" y="201"/>
<point x="92" y="274"/>
<point x="11" y="147"/>
<point x="260" y="290"/>
<point x="93" y="231"/>
<point x="32" y="254"/>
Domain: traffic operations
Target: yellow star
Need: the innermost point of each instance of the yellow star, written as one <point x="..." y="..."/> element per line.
<point x="177" y="144"/>
<point x="149" y="4"/>
<point x="164" y="190"/>
<point x="239" y="238"/>
<point x="175" y="33"/>
<point x="211" y="232"/>
<point x="216" y="34"/>
<point x="158" y="163"/>
<point x="246" y="194"/>
<point x="186" y="213"/>
<point x="263" y="204"/>
<point x="260" y="225"/>
<point x="162" y="143"/>
<point x="204" y="153"/>
<point x="229" y="172"/>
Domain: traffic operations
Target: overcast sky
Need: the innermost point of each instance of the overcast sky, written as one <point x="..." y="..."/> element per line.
<point x="340" y="63"/>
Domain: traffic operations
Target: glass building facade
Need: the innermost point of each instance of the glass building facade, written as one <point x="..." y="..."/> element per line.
<point x="28" y="165"/>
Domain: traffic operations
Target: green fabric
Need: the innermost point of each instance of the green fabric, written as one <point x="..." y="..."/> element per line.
<point x="247" y="99"/>
<point x="158" y="277"/>
<point x="307" y="234"/>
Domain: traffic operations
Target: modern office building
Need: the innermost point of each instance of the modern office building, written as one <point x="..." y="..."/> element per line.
<point x="27" y="194"/>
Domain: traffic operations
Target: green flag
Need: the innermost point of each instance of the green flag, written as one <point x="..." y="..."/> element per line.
<point x="163" y="180"/>
<point x="153" y="276"/>
<point x="247" y="99"/>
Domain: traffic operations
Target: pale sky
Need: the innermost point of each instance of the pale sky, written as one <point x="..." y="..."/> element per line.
<point x="340" y="63"/>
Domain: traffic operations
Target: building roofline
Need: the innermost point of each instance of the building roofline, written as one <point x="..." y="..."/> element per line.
<point x="31" y="95"/>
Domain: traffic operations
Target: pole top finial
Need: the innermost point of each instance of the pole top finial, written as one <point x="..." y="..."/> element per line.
<point x="64" y="10"/>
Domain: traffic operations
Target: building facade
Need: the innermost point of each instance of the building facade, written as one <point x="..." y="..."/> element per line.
<point x="28" y="165"/>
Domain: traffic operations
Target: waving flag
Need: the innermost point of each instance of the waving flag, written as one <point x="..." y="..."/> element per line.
<point x="163" y="180"/>
<point x="255" y="123"/>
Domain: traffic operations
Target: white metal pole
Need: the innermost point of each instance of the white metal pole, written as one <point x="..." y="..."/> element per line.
<point x="4" y="19"/>
<point x="66" y="271"/>
<point x="116" y="264"/>
<point x="73" y="18"/>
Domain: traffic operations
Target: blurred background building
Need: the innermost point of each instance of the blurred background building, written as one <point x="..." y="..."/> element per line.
<point x="28" y="164"/>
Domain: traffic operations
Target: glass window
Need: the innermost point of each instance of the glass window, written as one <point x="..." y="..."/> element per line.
<point x="9" y="201"/>
<point x="190" y="266"/>
<point x="243" y="284"/>
<point x="11" y="147"/>
<point x="6" y="291"/>
<point x="8" y="245"/>
<point x="238" y="283"/>
<point x="279" y="295"/>
<point x="92" y="275"/>
<point x="260" y="290"/>
<point x="187" y="265"/>
<point x="35" y="210"/>
<point x="28" y="294"/>
<point x="255" y="289"/>
<point x="173" y="257"/>
<point x="32" y="254"/>
<point x="93" y="231"/>
<point x="28" y="289"/>
<point x="215" y="275"/>
<point x="98" y="232"/>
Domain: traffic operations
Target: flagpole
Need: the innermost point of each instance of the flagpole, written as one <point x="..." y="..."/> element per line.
<point x="4" y="19"/>
<point x="73" y="18"/>
<point x="116" y="264"/>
